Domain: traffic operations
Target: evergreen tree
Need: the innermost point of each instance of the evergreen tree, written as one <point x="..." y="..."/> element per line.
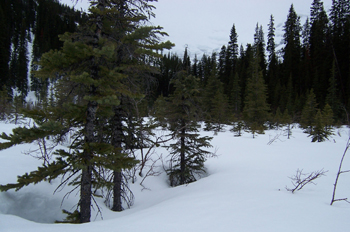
<point x="215" y="104"/>
<point x="292" y="49"/>
<point x="328" y="118"/>
<point x="232" y="48"/>
<point x="319" y="132"/>
<point x="332" y="98"/>
<point x="51" y="19"/>
<point x="340" y="30"/>
<point x="271" y="45"/>
<point x="306" y="64"/>
<point x="182" y="114"/>
<point x="235" y="97"/>
<point x="230" y="61"/>
<point x="278" y="118"/>
<point x="259" y="44"/>
<point x="319" y="50"/>
<point x="309" y="112"/>
<point x="287" y="120"/>
<point x="272" y="75"/>
<point x="237" y="128"/>
<point x="222" y="64"/>
<point x="256" y="109"/>
<point x="93" y="67"/>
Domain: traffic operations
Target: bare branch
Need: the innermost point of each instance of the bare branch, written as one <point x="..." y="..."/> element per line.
<point x="300" y="179"/>
<point x="340" y="172"/>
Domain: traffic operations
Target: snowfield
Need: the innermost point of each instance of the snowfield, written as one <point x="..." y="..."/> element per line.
<point x="244" y="190"/>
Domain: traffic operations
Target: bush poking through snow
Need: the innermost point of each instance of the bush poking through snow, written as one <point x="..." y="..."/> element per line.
<point x="300" y="179"/>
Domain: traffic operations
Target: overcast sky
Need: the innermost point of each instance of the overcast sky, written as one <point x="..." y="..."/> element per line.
<point x="204" y="25"/>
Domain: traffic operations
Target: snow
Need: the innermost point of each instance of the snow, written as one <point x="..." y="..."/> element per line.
<point x="244" y="190"/>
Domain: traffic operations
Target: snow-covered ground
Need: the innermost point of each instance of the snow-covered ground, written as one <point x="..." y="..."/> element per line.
<point x="245" y="190"/>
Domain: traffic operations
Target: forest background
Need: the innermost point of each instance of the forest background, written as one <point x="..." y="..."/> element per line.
<point x="314" y="55"/>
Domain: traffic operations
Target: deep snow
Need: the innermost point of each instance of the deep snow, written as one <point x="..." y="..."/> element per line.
<point x="243" y="191"/>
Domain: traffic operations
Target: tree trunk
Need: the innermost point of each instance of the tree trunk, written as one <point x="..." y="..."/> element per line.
<point x="86" y="178"/>
<point x="85" y="195"/>
<point x="117" y="191"/>
<point x="182" y="154"/>
<point x="86" y="182"/>
<point x="116" y="141"/>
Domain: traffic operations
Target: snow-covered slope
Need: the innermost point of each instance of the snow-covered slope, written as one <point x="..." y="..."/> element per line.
<point x="244" y="191"/>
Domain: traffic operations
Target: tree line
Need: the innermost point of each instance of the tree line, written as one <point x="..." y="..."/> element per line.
<point x="28" y="29"/>
<point x="314" y="60"/>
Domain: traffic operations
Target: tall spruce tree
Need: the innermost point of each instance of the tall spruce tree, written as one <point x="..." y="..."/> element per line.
<point x="272" y="74"/>
<point x="187" y="155"/>
<point x="292" y="48"/>
<point x="340" y="30"/>
<point x="271" y="45"/>
<point x="215" y="103"/>
<point x="320" y="54"/>
<point x="256" y="108"/>
<point x="332" y="98"/>
<point x="93" y="68"/>
<point x="259" y="43"/>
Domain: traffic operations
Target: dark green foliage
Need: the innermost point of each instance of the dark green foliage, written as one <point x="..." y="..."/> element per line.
<point x="52" y="19"/>
<point x="328" y="117"/>
<point x="5" y="104"/>
<point x="309" y="112"/>
<point x="73" y="218"/>
<point x="215" y="104"/>
<point x="271" y="46"/>
<point x="287" y="121"/>
<point x="278" y="119"/>
<point x="332" y="98"/>
<point x="5" y="43"/>
<point x="46" y="19"/>
<point x="92" y="73"/>
<point x="319" y="132"/>
<point x="303" y="63"/>
<point x="320" y="54"/>
<point x="291" y="56"/>
<point x="238" y="128"/>
<point x="182" y="114"/>
<point x="256" y="109"/>
<point x="235" y="99"/>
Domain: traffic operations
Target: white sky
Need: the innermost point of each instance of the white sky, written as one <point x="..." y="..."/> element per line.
<point x="204" y="25"/>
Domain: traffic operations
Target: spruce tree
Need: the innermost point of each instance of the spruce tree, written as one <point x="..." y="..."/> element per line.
<point x="309" y="112"/>
<point x="256" y="108"/>
<point x="320" y="54"/>
<point x="272" y="75"/>
<point x="278" y="118"/>
<point x="93" y="69"/>
<point x="187" y="155"/>
<point x="259" y="44"/>
<point x="292" y="48"/>
<point x="328" y="117"/>
<point x="319" y="132"/>
<point x="332" y="98"/>
<point x="235" y="97"/>
<point x="287" y="120"/>
<point x="271" y="45"/>
<point x="215" y="103"/>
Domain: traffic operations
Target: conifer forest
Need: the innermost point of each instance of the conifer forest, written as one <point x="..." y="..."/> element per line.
<point x="107" y="77"/>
